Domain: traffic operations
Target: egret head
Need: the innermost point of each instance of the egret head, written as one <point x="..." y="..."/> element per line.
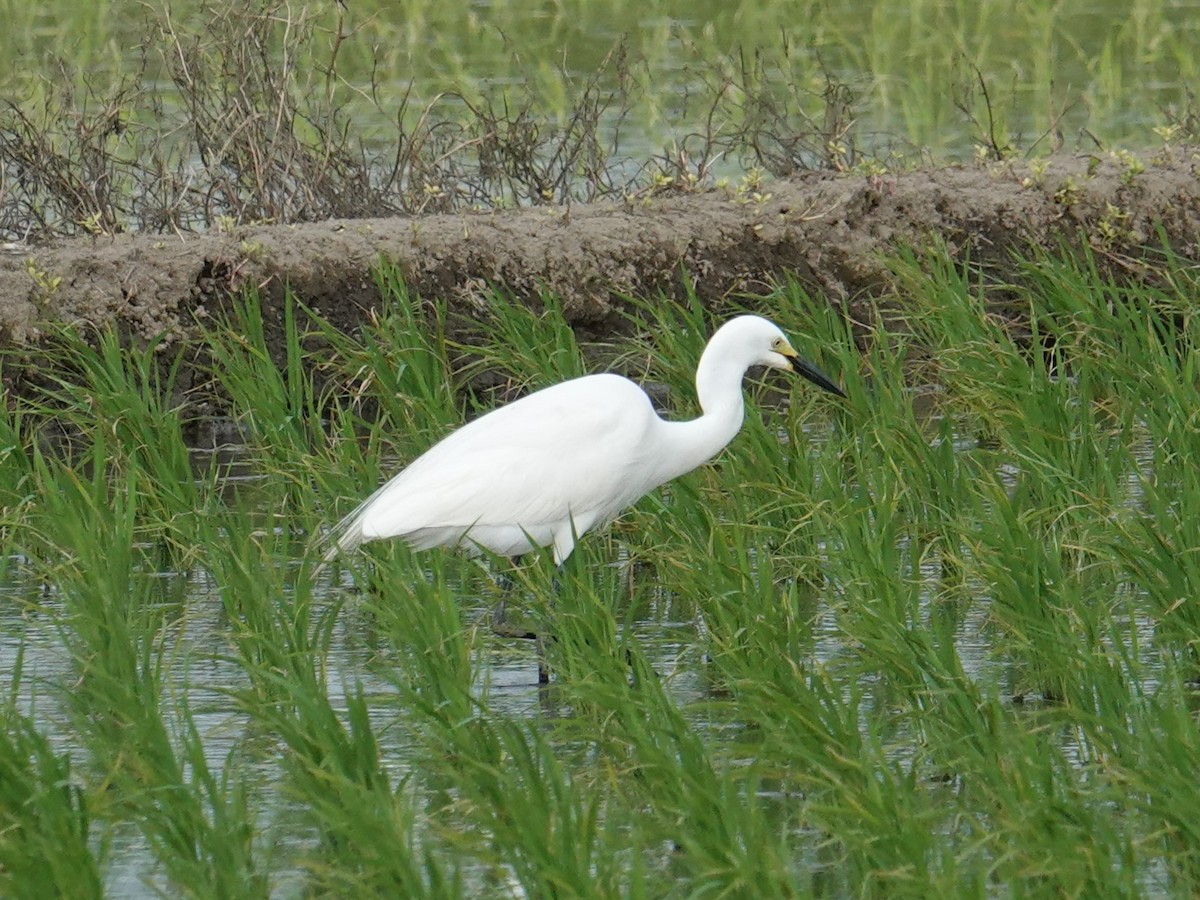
<point x="773" y="349"/>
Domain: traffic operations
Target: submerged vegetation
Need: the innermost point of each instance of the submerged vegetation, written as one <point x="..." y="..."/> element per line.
<point x="935" y="640"/>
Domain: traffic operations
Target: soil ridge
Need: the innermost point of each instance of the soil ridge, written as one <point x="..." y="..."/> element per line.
<point x="831" y="231"/>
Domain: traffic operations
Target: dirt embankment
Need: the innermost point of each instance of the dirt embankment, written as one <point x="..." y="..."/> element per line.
<point x="831" y="231"/>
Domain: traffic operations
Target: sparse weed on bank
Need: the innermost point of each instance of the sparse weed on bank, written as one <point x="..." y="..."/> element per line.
<point x="936" y="639"/>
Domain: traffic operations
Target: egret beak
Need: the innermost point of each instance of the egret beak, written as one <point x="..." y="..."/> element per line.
<point x="813" y="374"/>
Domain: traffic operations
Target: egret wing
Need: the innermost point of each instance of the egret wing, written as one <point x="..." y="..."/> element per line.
<point x="568" y="450"/>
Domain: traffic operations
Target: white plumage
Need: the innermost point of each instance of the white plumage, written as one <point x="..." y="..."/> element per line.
<point x="547" y="468"/>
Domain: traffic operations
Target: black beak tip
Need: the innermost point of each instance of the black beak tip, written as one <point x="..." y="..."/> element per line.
<point x="816" y="376"/>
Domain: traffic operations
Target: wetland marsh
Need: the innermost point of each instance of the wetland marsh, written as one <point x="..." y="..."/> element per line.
<point x="937" y="639"/>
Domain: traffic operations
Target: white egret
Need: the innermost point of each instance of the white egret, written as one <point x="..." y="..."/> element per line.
<point x="547" y="468"/>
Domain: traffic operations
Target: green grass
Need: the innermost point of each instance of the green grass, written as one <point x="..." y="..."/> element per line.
<point x="938" y="639"/>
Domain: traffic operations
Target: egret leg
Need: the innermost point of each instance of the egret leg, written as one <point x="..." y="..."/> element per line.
<point x="503" y="628"/>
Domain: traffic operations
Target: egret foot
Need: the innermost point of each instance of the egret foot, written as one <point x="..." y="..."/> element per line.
<point x="503" y="628"/>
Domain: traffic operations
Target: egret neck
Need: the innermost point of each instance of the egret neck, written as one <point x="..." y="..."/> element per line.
<point x="687" y="445"/>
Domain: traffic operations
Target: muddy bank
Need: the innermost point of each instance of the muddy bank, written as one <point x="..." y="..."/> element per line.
<point x="831" y="231"/>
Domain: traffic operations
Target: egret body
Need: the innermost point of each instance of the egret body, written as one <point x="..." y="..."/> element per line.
<point x="546" y="469"/>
